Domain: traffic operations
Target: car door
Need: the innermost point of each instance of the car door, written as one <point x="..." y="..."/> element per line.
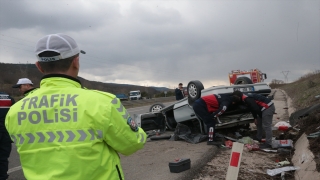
<point x="183" y="111"/>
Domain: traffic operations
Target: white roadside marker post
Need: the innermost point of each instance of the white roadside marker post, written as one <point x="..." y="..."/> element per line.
<point x="234" y="162"/>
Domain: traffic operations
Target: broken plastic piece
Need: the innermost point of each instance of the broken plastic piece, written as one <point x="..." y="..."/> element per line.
<point x="313" y="135"/>
<point x="282" y="163"/>
<point x="246" y="140"/>
<point x="268" y="150"/>
<point x="237" y="134"/>
<point x="282" y="126"/>
<point x="283" y="151"/>
<point x="282" y="143"/>
<point x="179" y="165"/>
<point x="273" y="172"/>
<point x="252" y="147"/>
<point x="283" y="175"/>
<point x="228" y="144"/>
<point x="160" y="137"/>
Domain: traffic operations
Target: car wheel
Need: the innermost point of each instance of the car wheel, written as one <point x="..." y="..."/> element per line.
<point x="194" y="91"/>
<point x="243" y="80"/>
<point x="156" y="107"/>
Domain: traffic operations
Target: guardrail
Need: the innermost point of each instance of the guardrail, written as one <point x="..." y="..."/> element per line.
<point x="145" y="102"/>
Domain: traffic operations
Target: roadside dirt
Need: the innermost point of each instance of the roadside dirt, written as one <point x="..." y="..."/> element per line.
<point x="254" y="164"/>
<point x="308" y="125"/>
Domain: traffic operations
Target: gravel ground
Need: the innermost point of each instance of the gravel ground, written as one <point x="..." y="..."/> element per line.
<point x="254" y="164"/>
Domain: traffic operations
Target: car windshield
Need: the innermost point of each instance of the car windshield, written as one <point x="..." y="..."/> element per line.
<point x="134" y="93"/>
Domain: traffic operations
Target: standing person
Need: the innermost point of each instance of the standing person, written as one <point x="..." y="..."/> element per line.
<point x="5" y="141"/>
<point x="63" y="131"/>
<point x="25" y="86"/>
<point x="262" y="110"/>
<point x="179" y="92"/>
<point x="208" y="108"/>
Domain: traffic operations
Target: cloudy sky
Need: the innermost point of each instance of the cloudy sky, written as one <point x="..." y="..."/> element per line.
<point x="162" y="43"/>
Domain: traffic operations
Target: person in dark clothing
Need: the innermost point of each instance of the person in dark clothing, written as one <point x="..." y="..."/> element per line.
<point x="5" y="141"/>
<point x="25" y="86"/>
<point x="208" y="108"/>
<point x="262" y="110"/>
<point x="179" y="92"/>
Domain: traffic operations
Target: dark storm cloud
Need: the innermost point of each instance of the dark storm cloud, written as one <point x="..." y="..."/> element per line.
<point x="56" y="16"/>
<point x="176" y="41"/>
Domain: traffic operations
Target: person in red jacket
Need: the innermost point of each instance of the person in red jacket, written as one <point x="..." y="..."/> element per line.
<point x="5" y="141"/>
<point x="262" y="110"/>
<point x="208" y="108"/>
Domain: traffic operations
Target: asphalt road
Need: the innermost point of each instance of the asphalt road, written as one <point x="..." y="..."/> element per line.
<point x="15" y="171"/>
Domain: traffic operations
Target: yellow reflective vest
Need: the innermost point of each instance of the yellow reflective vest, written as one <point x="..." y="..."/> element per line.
<point x="65" y="132"/>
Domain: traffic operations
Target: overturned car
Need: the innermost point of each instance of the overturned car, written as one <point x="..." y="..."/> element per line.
<point x="163" y="118"/>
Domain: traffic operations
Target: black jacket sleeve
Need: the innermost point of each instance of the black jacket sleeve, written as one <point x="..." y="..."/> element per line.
<point x="177" y="91"/>
<point x="254" y="108"/>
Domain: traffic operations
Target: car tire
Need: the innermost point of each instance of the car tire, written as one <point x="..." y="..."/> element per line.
<point x="243" y="80"/>
<point x="156" y="107"/>
<point x="194" y="91"/>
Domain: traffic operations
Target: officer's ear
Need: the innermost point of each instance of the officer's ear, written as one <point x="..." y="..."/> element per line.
<point x="39" y="67"/>
<point x="75" y="63"/>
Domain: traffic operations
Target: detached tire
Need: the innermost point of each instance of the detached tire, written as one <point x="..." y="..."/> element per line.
<point x="194" y="91"/>
<point x="156" y="107"/>
<point x="243" y="80"/>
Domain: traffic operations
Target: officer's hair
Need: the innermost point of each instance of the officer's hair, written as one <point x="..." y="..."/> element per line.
<point x="55" y="66"/>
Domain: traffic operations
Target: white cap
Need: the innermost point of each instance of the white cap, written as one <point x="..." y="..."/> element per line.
<point x="22" y="81"/>
<point x="60" y="43"/>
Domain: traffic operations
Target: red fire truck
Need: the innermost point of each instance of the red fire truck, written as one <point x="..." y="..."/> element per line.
<point x="246" y="77"/>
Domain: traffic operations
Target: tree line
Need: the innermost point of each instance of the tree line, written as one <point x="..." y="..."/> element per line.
<point x="10" y="73"/>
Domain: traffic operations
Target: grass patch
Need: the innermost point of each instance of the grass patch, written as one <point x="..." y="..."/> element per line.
<point x="303" y="91"/>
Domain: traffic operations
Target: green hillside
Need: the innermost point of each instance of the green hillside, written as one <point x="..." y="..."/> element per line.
<point x="303" y="91"/>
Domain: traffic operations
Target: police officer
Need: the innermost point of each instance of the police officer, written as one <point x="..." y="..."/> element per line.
<point x="262" y="110"/>
<point x="5" y="142"/>
<point x="208" y="108"/>
<point x="63" y="131"/>
<point x="25" y="86"/>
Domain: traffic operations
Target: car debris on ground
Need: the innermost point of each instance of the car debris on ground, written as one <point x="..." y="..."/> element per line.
<point x="273" y="172"/>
